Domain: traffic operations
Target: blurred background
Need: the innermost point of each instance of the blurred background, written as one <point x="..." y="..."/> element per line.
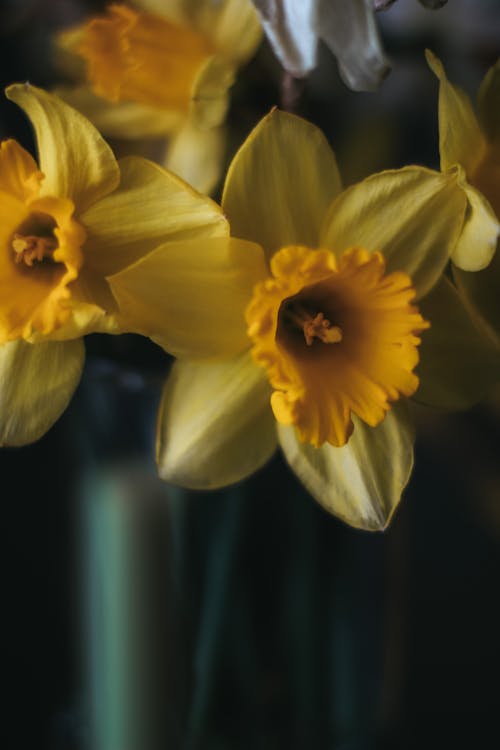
<point x="139" y="616"/>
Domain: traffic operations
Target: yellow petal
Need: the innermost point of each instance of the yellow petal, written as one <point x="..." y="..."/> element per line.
<point x="489" y="104"/>
<point x="149" y="207"/>
<point x="280" y="183"/>
<point x="412" y="215"/>
<point x="478" y="238"/>
<point x="19" y="173"/>
<point x="210" y="92"/>
<point x="480" y="291"/>
<point x="76" y="161"/>
<point x="122" y="119"/>
<point x="232" y="25"/>
<point x="457" y="362"/>
<point x="36" y="384"/>
<point x="196" y="155"/>
<point x="460" y="137"/>
<point x="360" y="483"/>
<point x="190" y="297"/>
<point x="215" y="426"/>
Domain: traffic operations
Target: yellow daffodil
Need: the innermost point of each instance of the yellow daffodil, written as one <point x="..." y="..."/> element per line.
<point x="153" y="68"/>
<point x="302" y="328"/>
<point x="470" y="144"/>
<point x="66" y="224"/>
<point x="294" y="28"/>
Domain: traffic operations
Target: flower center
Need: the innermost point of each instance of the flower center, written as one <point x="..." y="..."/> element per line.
<point x="34" y="242"/>
<point x="141" y="57"/>
<point x="313" y="326"/>
<point x="336" y="337"/>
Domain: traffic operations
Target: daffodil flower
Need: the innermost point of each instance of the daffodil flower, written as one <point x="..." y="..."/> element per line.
<point x="294" y="28"/>
<point x="470" y="144"/>
<point x="67" y="223"/>
<point x="302" y="328"/>
<point x="154" y="68"/>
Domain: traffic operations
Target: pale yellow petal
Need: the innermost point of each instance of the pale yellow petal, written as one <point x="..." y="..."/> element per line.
<point x="460" y="138"/>
<point x="215" y="425"/>
<point x="280" y="183"/>
<point x="360" y="483"/>
<point x="478" y="238"/>
<point x="190" y="297"/>
<point x="37" y="382"/>
<point x="150" y="207"/>
<point x="196" y="155"/>
<point x="489" y="104"/>
<point x="75" y="159"/>
<point x="480" y="291"/>
<point x="233" y="27"/>
<point x="412" y="215"/>
<point x="210" y="93"/>
<point x="457" y="362"/>
<point x="124" y="119"/>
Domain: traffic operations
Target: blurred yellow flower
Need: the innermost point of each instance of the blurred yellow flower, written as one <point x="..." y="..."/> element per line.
<point x="304" y="332"/>
<point x="65" y="225"/>
<point x="151" y="68"/>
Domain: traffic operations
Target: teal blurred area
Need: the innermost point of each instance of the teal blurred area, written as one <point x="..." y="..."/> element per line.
<point x="139" y="616"/>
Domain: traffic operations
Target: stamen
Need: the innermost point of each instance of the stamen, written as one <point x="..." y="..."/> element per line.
<point x="31" y="248"/>
<point x="314" y="326"/>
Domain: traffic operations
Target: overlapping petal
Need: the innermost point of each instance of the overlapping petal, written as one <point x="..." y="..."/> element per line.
<point x="150" y="207"/>
<point x="457" y="361"/>
<point x="190" y="297"/>
<point x="360" y="483"/>
<point x="460" y="138"/>
<point x="215" y="425"/>
<point x="36" y="383"/>
<point x="280" y="183"/>
<point x="73" y="156"/>
<point x="412" y="215"/>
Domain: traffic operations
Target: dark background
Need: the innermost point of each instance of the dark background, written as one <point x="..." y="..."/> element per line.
<point x="249" y="618"/>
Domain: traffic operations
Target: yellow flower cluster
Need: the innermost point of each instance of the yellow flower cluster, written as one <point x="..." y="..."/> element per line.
<point x="296" y="310"/>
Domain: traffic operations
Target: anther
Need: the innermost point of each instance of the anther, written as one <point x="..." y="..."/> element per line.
<point x="314" y="327"/>
<point x="31" y="248"/>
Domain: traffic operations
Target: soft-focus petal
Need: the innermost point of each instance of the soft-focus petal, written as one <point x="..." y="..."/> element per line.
<point x="290" y="26"/>
<point x="489" y="104"/>
<point x="190" y="297"/>
<point x="233" y="27"/>
<point x="197" y="155"/>
<point x="210" y="93"/>
<point x="460" y="137"/>
<point x="215" y="424"/>
<point x="350" y="31"/>
<point x="121" y="119"/>
<point x="36" y="384"/>
<point x="412" y="215"/>
<point x="481" y="290"/>
<point x="478" y="238"/>
<point x="150" y="207"/>
<point x="76" y="161"/>
<point x="280" y="183"/>
<point x="458" y="364"/>
<point x="362" y="482"/>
